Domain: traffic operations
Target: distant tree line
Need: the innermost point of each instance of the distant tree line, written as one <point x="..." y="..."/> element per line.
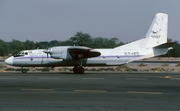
<point x="79" y="39"/>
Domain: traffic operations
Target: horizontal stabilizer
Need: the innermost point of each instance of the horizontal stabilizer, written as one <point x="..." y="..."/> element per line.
<point x="166" y="45"/>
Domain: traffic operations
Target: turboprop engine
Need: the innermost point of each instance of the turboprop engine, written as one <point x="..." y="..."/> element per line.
<point x="59" y="52"/>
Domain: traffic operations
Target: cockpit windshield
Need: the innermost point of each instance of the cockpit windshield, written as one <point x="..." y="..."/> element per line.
<point x="21" y="53"/>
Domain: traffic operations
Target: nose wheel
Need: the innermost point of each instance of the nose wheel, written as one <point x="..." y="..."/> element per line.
<point x="24" y="70"/>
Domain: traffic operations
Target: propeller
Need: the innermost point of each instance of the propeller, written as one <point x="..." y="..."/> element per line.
<point x="47" y="51"/>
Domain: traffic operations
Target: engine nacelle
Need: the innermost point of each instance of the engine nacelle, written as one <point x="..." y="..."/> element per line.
<point x="60" y="52"/>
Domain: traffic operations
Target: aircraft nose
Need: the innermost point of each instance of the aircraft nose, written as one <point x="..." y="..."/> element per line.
<point x="9" y="60"/>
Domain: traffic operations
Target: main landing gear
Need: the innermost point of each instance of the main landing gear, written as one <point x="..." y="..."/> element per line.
<point x="78" y="69"/>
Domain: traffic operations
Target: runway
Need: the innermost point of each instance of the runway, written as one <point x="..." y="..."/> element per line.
<point x="90" y="91"/>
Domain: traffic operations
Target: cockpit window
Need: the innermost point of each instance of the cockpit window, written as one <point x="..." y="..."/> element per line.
<point x="22" y="53"/>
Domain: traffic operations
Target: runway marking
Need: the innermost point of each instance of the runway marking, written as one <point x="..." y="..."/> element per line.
<point x="139" y="92"/>
<point x="167" y="77"/>
<point x="7" y="78"/>
<point x="37" y="89"/>
<point x="49" y="78"/>
<point x="175" y="78"/>
<point x="136" y="78"/>
<point x="92" y="78"/>
<point x="99" y="91"/>
<point x="170" y="77"/>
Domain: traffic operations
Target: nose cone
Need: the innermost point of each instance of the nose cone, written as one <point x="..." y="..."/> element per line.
<point x="9" y="60"/>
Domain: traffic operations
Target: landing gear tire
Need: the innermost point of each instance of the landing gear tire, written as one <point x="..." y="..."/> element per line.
<point x="81" y="70"/>
<point x="75" y="69"/>
<point x="24" y="70"/>
<point x="78" y="70"/>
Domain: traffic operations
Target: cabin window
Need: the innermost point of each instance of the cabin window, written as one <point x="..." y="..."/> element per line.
<point x="26" y="53"/>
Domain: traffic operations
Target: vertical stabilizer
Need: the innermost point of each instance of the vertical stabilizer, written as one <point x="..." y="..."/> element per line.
<point x="157" y="33"/>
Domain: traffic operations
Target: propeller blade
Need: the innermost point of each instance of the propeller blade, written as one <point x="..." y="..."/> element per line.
<point x="47" y="51"/>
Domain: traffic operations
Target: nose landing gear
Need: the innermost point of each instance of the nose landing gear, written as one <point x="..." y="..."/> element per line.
<point x="24" y="70"/>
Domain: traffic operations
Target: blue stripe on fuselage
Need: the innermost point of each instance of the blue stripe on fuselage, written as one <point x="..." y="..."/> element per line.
<point x="109" y="57"/>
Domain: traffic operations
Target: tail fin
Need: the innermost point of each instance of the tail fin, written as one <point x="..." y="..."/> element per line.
<point x="154" y="43"/>
<point x="157" y="33"/>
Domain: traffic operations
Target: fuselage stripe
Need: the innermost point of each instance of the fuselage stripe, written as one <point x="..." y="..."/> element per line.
<point x="109" y="57"/>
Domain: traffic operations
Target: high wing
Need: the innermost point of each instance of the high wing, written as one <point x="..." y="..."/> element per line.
<point x="79" y="52"/>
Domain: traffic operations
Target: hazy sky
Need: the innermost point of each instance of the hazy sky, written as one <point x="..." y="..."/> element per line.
<point x="46" y="20"/>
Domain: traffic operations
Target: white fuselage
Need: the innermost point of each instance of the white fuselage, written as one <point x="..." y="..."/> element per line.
<point x="37" y="58"/>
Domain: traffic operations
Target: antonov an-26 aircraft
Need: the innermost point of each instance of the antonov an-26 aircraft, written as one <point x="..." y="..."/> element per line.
<point x="153" y="44"/>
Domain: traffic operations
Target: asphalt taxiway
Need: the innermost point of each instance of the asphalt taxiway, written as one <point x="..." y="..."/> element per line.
<point x="90" y="91"/>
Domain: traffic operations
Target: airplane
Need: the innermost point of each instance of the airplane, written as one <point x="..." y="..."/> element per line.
<point x="153" y="44"/>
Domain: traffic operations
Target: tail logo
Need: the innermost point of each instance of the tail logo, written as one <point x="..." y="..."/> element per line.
<point x="155" y="36"/>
